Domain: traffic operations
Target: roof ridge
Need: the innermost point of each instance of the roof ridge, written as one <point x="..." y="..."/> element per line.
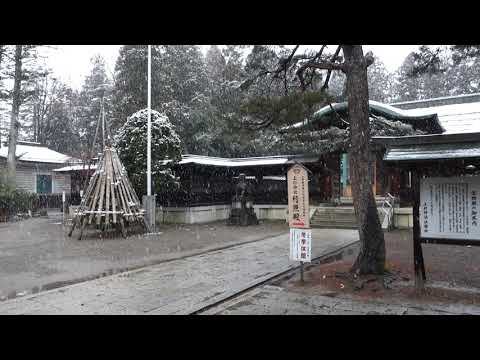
<point x="435" y="98"/>
<point x="186" y="156"/>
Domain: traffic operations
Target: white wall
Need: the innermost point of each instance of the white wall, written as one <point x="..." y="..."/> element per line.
<point x="26" y="177"/>
<point x="204" y="214"/>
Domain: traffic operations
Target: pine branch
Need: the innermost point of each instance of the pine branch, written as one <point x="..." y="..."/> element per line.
<point x="334" y="57"/>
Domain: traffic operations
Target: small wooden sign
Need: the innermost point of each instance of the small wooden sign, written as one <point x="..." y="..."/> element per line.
<point x="298" y="205"/>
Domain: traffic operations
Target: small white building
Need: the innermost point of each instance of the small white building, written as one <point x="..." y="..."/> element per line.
<point x="35" y="165"/>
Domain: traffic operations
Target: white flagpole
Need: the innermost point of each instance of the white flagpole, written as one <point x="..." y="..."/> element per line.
<point x="149" y="124"/>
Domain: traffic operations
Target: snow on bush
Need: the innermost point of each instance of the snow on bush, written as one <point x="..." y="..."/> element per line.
<point x="131" y="144"/>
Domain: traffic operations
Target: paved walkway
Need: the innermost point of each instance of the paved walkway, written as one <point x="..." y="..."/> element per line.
<point x="179" y="286"/>
<point x="36" y="254"/>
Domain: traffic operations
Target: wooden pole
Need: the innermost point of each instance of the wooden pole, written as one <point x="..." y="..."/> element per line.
<point x="103" y="125"/>
<point x="109" y="193"/>
<point x="63" y="207"/>
<point x="301" y="272"/>
<point x="419" y="267"/>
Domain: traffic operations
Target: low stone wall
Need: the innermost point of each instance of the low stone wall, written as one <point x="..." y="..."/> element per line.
<point x="403" y="218"/>
<point x="204" y="214"/>
<point x="271" y="212"/>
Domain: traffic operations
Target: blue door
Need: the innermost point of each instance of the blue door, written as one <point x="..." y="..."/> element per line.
<point x="44" y="184"/>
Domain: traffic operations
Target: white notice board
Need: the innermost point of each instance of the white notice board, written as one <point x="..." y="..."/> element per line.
<point x="449" y="208"/>
<point x="301" y="245"/>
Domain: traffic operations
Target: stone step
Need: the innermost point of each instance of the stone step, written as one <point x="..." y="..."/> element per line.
<point x="340" y="218"/>
<point x="378" y="203"/>
<point x="381" y="214"/>
<point x="334" y="226"/>
<point x="337" y="218"/>
<point x="339" y="214"/>
<point x="327" y="216"/>
<point x="334" y="210"/>
<point x="334" y="220"/>
<point x="331" y="216"/>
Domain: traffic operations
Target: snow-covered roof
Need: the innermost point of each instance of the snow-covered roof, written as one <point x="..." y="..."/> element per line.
<point x="419" y="117"/>
<point x="430" y="147"/>
<point x="384" y="109"/>
<point x="443" y="100"/>
<point x="455" y="118"/>
<point x="240" y="162"/>
<point x="452" y="118"/>
<point x="274" y="178"/>
<point x="216" y="161"/>
<point x="33" y="152"/>
<point x="432" y="152"/>
<point x="76" y="168"/>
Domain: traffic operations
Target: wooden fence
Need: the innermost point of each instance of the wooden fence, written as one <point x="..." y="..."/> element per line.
<point x="41" y="201"/>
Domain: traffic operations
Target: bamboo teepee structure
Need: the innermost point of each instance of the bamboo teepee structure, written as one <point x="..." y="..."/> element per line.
<point x="110" y="200"/>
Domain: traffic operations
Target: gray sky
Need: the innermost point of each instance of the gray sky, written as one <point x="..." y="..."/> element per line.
<point x="72" y="62"/>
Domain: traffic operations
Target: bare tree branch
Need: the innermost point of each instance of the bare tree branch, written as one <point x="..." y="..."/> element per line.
<point x="334" y="57"/>
<point x="301" y="70"/>
<point x="326" y="65"/>
<point x="317" y="56"/>
<point x="282" y="67"/>
<point x="291" y="54"/>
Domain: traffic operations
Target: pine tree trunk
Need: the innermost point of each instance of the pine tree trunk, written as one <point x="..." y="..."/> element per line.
<point x="12" y="141"/>
<point x="2" y="51"/>
<point x="371" y="259"/>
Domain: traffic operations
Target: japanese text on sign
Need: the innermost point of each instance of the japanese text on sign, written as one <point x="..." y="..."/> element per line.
<point x="301" y="245"/>
<point x="298" y="206"/>
<point x="448" y="208"/>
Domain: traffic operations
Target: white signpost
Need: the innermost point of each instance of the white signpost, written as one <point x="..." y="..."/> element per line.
<point x="449" y="208"/>
<point x="301" y="245"/>
<point x="298" y="214"/>
<point x="63" y="207"/>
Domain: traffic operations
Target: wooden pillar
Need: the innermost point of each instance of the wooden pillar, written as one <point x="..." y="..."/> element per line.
<point x="381" y="174"/>
<point x="419" y="266"/>
<point x="190" y="190"/>
<point x="334" y="164"/>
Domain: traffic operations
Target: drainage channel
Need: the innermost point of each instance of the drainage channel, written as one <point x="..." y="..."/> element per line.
<point x="322" y="259"/>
